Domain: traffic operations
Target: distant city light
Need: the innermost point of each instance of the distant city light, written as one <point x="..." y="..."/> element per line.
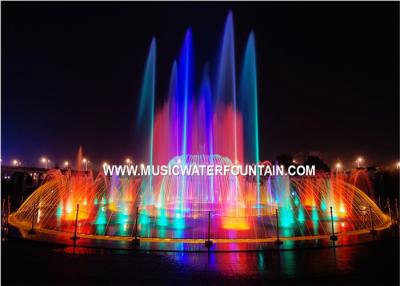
<point x="359" y="161"/>
<point x="105" y="164"/>
<point x="398" y="165"/>
<point x="338" y="166"/>
<point x="85" y="162"/>
<point x="128" y="161"/>
<point x="46" y="162"/>
<point x="66" y="164"/>
<point x="16" y="162"/>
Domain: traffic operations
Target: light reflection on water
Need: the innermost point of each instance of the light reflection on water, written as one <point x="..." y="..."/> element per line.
<point x="315" y="265"/>
<point x="286" y="264"/>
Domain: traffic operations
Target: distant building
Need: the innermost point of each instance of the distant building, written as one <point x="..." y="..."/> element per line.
<point x="17" y="183"/>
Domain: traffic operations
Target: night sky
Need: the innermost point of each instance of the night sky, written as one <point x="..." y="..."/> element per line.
<point x="72" y="72"/>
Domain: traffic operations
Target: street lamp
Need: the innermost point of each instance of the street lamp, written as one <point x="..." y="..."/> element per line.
<point x="46" y="162"/>
<point x="359" y="161"/>
<point x="85" y="163"/>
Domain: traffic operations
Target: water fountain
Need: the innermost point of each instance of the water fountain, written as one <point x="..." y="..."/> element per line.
<point x="216" y="124"/>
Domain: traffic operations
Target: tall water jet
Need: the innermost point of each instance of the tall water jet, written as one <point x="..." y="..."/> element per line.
<point x="185" y="96"/>
<point x="206" y="99"/>
<point x="185" y="89"/>
<point x="248" y="95"/>
<point x="226" y="85"/>
<point x="173" y="114"/>
<point x="79" y="158"/>
<point x="206" y="96"/>
<point x="146" y="112"/>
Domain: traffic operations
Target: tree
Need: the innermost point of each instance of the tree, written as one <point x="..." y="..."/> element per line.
<point x="318" y="163"/>
<point x="285" y="160"/>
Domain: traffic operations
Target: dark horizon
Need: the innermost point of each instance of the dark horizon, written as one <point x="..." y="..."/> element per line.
<point x="327" y="74"/>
